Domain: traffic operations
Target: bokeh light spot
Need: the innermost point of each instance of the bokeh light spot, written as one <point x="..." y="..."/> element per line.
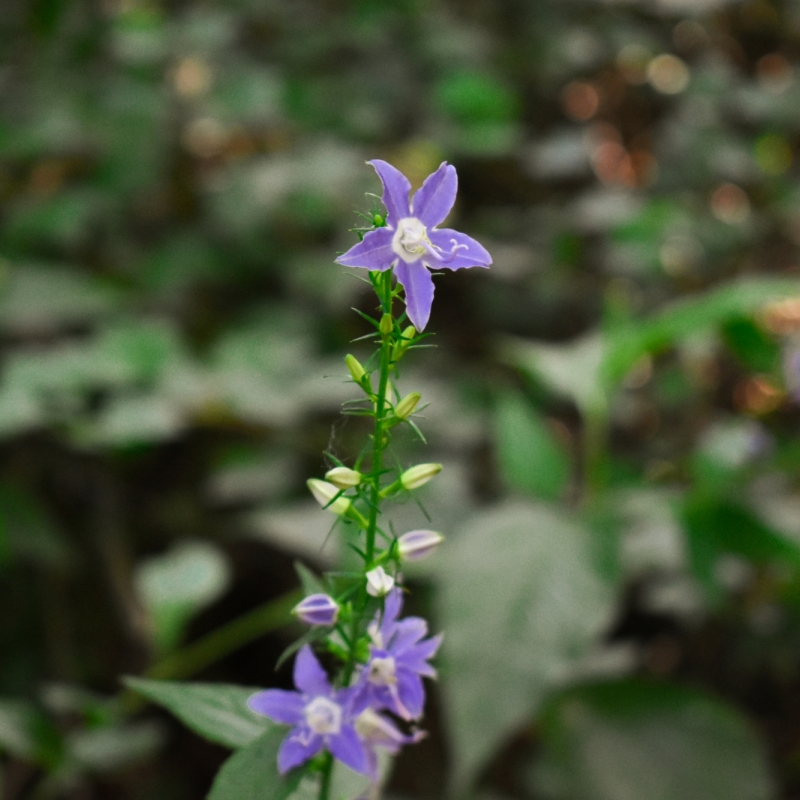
<point x="668" y="74"/>
<point x="580" y="100"/>
<point x="730" y="204"/>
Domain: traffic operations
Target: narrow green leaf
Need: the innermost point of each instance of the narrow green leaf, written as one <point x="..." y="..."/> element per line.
<point x="216" y="711"/>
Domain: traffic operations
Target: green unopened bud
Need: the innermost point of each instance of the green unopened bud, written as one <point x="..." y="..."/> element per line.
<point x="386" y="325"/>
<point x="414" y="477"/>
<point x="403" y="343"/>
<point x="405" y="408"/>
<point x="357" y="372"/>
<point x="343" y="477"/>
<point x="324" y="492"/>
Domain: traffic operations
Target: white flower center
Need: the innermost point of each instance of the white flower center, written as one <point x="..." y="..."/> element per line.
<point x="381" y="671"/>
<point x="411" y="240"/>
<point x="323" y="715"/>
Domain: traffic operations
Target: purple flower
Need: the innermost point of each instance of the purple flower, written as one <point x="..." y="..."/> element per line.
<point x="398" y="657"/>
<point x="411" y="242"/>
<point x="377" y="730"/>
<point x="321" y="717"/>
<point x="317" y="609"/>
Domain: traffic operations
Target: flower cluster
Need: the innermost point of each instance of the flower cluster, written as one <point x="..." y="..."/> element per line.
<point x="377" y="694"/>
<point x="350" y="722"/>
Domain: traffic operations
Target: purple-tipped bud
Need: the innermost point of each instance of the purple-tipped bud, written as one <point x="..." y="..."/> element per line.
<point x="379" y="582"/>
<point x="317" y="609"/>
<point x="416" y="545"/>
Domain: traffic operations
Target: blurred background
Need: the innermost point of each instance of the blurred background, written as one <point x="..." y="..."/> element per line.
<point x="615" y="401"/>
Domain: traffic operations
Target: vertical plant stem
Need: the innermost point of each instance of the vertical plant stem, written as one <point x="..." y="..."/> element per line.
<point x="325" y="782"/>
<point x="380" y="407"/>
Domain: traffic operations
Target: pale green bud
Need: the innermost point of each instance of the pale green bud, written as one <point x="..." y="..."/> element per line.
<point x="386" y="325"/>
<point x="343" y="477"/>
<point x="405" y="408"/>
<point x="379" y="582"/>
<point x="417" y="476"/>
<point x="357" y="372"/>
<point x="324" y="492"/>
<point x="402" y="345"/>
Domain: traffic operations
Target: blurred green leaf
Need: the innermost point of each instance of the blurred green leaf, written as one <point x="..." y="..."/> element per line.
<point x="179" y="583"/>
<point x="715" y="527"/>
<point x="634" y="741"/>
<point x="471" y="96"/>
<point x="216" y="711"/>
<point x="522" y="602"/>
<point x="37" y="299"/>
<point x="27" y="734"/>
<point x="252" y="772"/>
<point x="687" y="318"/>
<point x="114" y="747"/>
<point x="531" y="457"/>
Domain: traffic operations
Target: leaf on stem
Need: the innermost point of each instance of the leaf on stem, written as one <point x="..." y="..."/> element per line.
<point x="216" y="711"/>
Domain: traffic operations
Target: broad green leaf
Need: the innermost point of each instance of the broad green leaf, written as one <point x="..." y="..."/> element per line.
<point x="571" y="369"/>
<point x="531" y="457"/>
<point x="175" y="585"/>
<point x="634" y="741"/>
<point x="252" y="772"/>
<point x="522" y="602"/>
<point x="217" y="712"/>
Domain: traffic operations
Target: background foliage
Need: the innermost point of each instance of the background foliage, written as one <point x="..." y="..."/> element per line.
<point x="615" y="401"/>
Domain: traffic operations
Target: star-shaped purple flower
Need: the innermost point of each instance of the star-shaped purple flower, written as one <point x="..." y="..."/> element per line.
<point x="321" y="717"/>
<point x="399" y="657"/>
<point x="411" y="242"/>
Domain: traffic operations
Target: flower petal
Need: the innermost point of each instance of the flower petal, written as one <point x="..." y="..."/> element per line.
<point x="391" y="611"/>
<point x="396" y="189"/>
<point x="417" y="282"/>
<point x="309" y="676"/>
<point x="349" y="749"/>
<point x="407" y="632"/>
<point x="416" y="657"/>
<point x="279" y="705"/>
<point x="294" y="751"/>
<point x="435" y="198"/>
<point x="469" y="253"/>
<point x="373" y="252"/>
<point x="410" y="691"/>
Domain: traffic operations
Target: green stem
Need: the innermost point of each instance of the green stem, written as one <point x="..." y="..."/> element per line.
<point x="377" y="436"/>
<point x="325" y="783"/>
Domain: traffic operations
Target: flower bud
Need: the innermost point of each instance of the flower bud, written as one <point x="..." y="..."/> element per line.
<point x="317" y="609"/>
<point x="386" y="325"/>
<point x="417" y="476"/>
<point x="416" y="545"/>
<point x="357" y="372"/>
<point x="343" y="477"/>
<point x="379" y="582"/>
<point x="405" y="408"/>
<point x="324" y="492"/>
<point x="402" y="345"/>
